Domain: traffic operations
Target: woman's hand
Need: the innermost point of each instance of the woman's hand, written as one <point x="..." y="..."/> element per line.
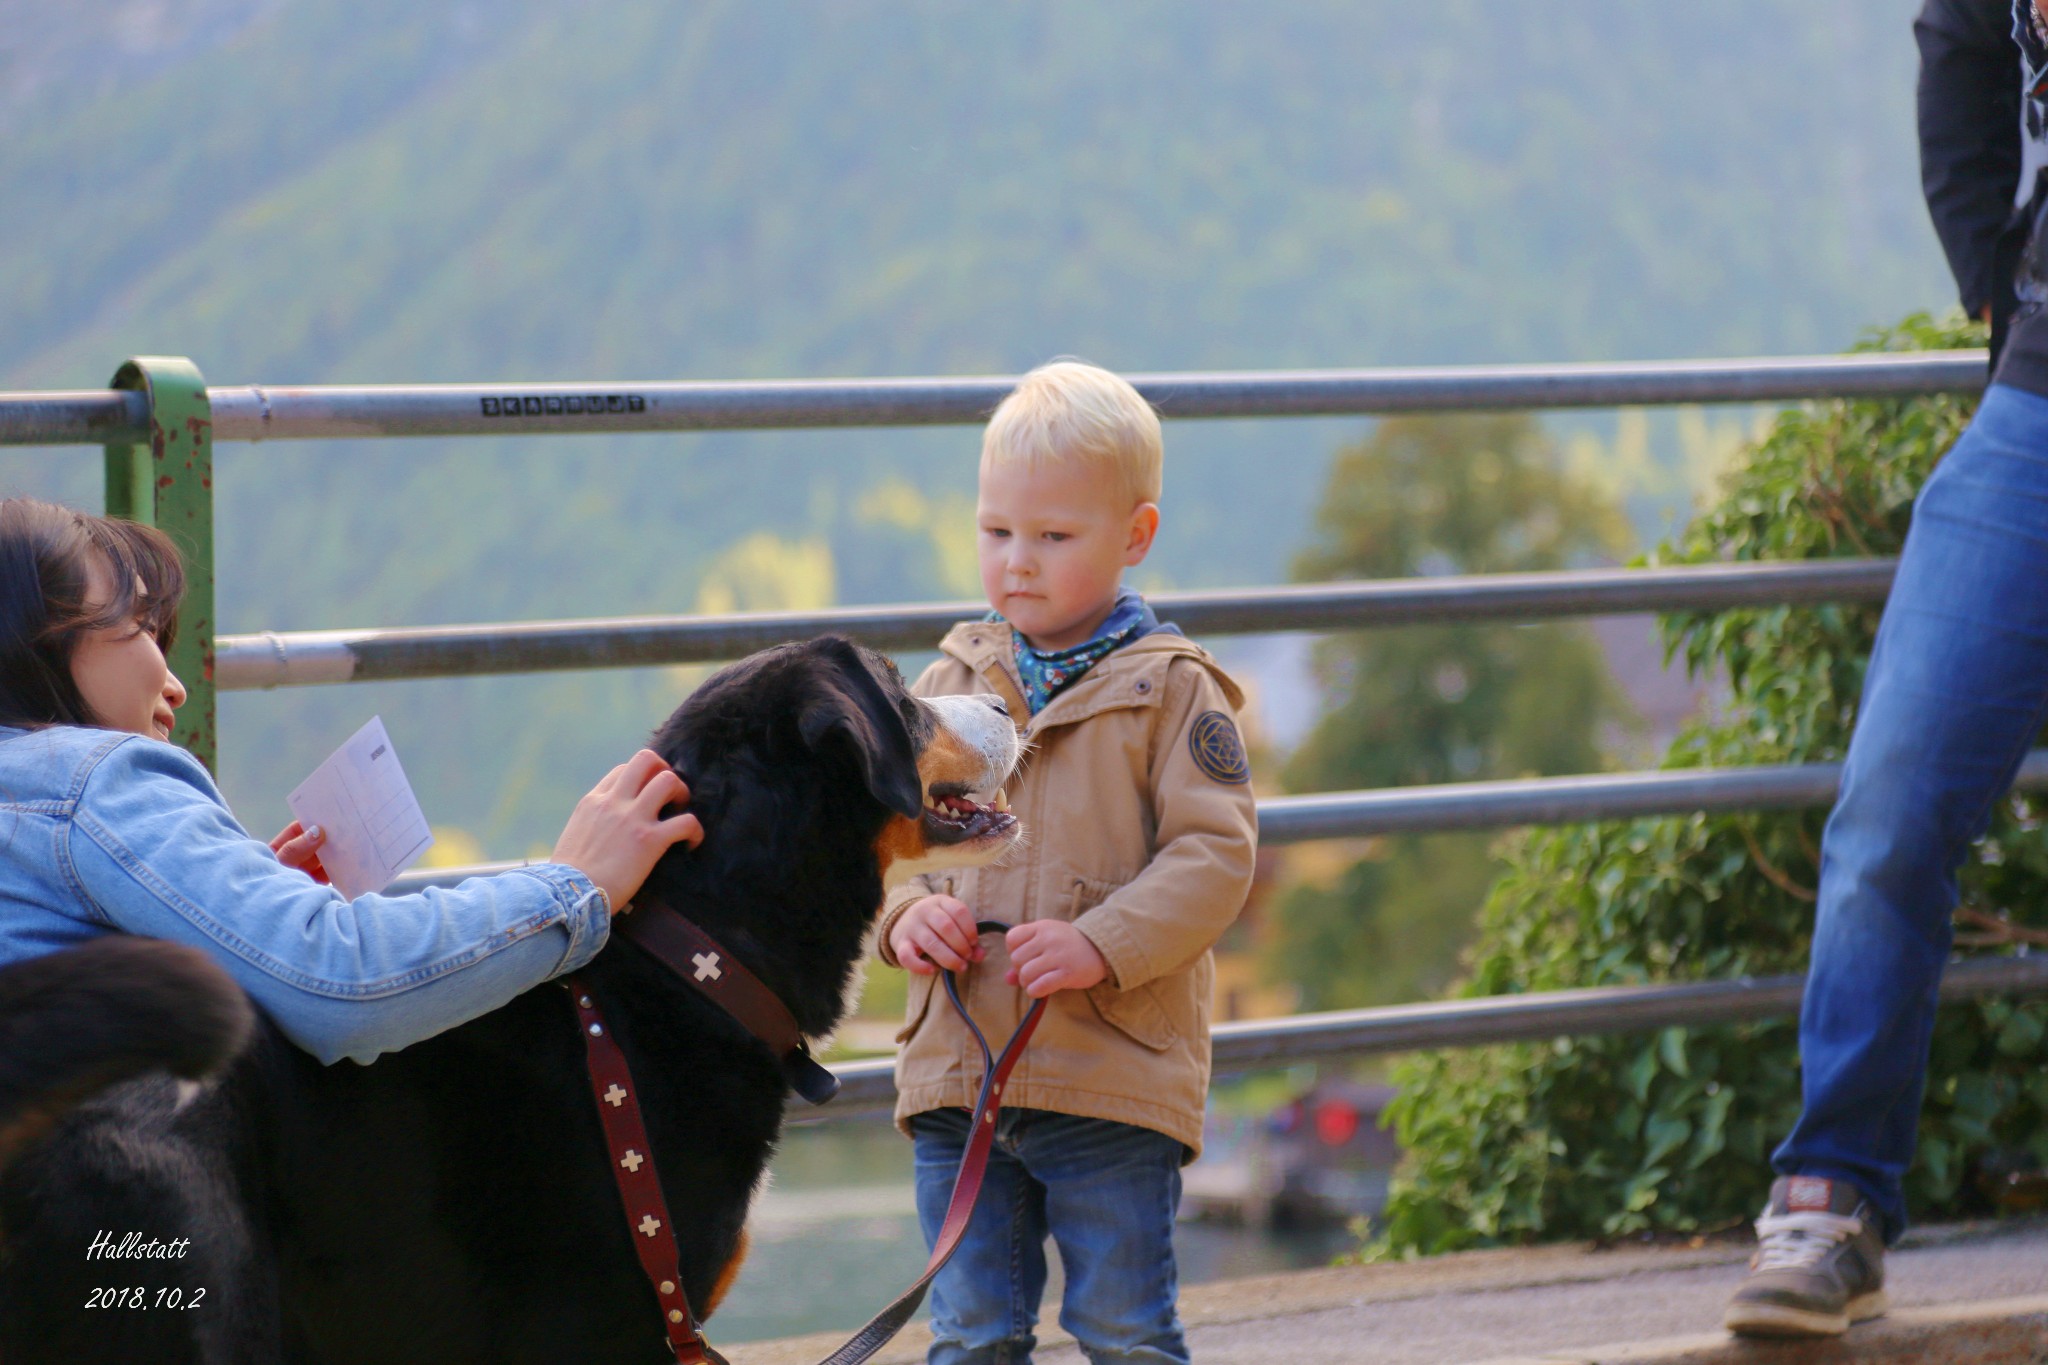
<point x="616" y="834"/>
<point x="297" y="847"/>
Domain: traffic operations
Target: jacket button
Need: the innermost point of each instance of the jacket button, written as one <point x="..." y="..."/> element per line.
<point x="1144" y="686"/>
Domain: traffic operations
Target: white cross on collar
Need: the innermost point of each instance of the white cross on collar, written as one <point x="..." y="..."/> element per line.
<point x="707" y="965"/>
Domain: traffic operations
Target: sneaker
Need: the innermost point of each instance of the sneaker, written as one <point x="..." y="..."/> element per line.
<point x="1819" y="1263"/>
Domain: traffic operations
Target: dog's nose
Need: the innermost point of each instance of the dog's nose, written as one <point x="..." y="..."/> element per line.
<point x="1002" y="707"/>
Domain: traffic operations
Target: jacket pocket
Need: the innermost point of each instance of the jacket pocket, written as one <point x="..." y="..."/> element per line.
<point x="1135" y="1013"/>
<point x="918" y="1005"/>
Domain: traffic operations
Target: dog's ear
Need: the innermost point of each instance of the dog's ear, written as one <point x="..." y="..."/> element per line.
<point x="854" y="704"/>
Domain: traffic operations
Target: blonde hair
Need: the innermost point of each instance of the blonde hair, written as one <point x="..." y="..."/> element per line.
<point x="1069" y="412"/>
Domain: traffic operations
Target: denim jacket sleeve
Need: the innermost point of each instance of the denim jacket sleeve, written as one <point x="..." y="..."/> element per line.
<point x="153" y="850"/>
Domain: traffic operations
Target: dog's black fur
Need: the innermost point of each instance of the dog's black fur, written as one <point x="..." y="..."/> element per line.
<point x="453" y="1203"/>
<point x="83" y="1019"/>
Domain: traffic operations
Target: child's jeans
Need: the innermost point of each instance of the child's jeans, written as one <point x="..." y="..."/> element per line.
<point x="1106" y="1192"/>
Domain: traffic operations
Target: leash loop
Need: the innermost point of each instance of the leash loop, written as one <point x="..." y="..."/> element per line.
<point x="966" y="1185"/>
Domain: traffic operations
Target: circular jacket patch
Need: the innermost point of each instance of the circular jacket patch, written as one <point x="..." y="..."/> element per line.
<point x="1217" y="751"/>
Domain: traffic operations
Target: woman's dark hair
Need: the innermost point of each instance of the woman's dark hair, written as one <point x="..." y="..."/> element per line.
<point x="48" y="555"/>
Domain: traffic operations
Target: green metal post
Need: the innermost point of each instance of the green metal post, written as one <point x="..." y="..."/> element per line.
<point x="170" y="487"/>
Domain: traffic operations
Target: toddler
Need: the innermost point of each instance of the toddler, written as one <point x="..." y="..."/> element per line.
<point x="1140" y="834"/>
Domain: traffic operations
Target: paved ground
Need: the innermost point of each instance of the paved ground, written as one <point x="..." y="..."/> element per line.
<point x="1572" y="1304"/>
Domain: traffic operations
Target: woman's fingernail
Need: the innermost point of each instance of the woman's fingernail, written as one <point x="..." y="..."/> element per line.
<point x="315" y="833"/>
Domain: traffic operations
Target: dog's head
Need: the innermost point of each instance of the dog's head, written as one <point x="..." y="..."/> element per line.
<point x="830" y="721"/>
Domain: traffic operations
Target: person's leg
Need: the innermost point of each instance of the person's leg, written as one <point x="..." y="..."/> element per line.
<point x="984" y="1303"/>
<point x="1111" y="1191"/>
<point x="1954" y="696"/>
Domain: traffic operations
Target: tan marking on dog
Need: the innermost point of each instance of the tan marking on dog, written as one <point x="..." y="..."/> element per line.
<point x="727" y="1275"/>
<point x="32" y="1121"/>
<point x="948" y="758"/>
<point x="900" y="839"/>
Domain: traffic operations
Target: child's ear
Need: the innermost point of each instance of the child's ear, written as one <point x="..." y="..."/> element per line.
<point x="1144" y="526"/>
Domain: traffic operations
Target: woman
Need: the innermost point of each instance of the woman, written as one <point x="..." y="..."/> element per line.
<point x="106" y="828"/>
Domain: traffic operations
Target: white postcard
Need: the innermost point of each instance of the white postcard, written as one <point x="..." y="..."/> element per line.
<point x="375" y="827"/>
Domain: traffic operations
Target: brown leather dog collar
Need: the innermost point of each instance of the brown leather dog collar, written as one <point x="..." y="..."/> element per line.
<point x="703" y="962"/>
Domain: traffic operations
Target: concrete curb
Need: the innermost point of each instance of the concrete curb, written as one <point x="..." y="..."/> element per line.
<point x="1308" y="1291"/>
<point x="1995" y="1332"/>
<point x="1274" y="1308"/>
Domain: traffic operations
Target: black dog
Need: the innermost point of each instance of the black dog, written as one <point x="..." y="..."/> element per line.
<point x="454" y="1202"/>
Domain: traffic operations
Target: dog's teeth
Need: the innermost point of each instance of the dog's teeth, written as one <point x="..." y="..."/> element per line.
<point x="1002" y="801"/>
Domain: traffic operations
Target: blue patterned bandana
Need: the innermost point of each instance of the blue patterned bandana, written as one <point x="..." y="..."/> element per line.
<point x="1047" y="674"/>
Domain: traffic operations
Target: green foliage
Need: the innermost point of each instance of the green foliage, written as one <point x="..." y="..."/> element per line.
<point x="1672" y="1131"/>
<point x="1468" y="494"/>
<point x="1386" y="928"/>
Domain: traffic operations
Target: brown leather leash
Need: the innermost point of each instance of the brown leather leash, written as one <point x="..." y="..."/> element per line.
<point x="674" y="941"/>
<point x="632" y="1162"/>
<point x="967" y="1185"/>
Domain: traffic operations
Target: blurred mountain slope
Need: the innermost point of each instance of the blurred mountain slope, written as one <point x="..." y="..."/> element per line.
<point x="304" y="192"/>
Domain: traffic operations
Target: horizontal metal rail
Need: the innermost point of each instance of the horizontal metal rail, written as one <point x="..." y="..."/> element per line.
<point x="1457" y="806"/>
<point x="868" y="1086"/>
<point x="1565" y="800"/>
<point x="264" y="412"/>
<point x="244" y="662"/>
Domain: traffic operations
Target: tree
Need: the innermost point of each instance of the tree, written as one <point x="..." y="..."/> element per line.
<point x="1420" y="704"/>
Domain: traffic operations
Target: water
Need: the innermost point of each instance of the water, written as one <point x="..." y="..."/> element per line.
<point x="835" y="1238"/>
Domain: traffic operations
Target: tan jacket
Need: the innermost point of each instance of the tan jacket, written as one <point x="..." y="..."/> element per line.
<point x="1139" y="827"/>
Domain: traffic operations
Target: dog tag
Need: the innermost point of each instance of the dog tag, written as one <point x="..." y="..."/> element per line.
<point x="809" y="1079"/>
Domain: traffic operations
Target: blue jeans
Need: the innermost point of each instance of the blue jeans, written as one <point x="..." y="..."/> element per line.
<point x="1956" y="692"/>
<point x="1106" y="1192"/>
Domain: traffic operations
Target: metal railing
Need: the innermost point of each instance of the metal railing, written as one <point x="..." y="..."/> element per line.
<point x="305" y="658"/>
<point x="1453" y="807"/>
<point x="265" y="412"/>
<point x="867" y="1087"/>
<point x="160" y="410"/>
<point x="158" y="421"/>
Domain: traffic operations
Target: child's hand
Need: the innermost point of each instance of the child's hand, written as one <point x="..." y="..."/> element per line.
<point x="935" y="932"/>
<point x="1050" y="955"/>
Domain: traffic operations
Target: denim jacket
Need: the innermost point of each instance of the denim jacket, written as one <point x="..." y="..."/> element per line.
<point x="103" y="831"/>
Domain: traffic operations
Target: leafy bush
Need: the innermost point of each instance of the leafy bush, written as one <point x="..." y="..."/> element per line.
<point x="1672" y="1130"/>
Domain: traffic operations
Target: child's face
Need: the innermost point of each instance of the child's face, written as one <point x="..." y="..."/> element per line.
<point x="1054" y="546"/>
